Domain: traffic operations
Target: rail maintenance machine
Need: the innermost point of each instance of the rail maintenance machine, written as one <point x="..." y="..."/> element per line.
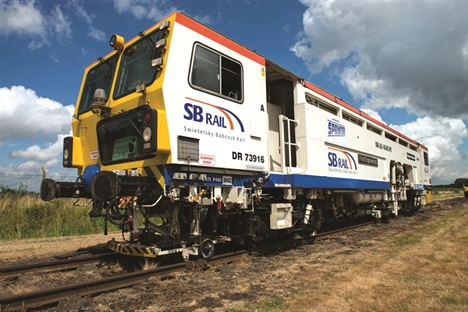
<point x="185" y="139"/>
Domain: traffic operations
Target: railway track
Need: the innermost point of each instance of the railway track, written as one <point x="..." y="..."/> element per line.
<point x="89" y="288"/>
<point x="73" y="263"/>
<point x="51" y="266"/>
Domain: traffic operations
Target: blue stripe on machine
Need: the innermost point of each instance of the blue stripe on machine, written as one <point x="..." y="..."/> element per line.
<point x="212" y="179"/>
<point x="310" y="181"/>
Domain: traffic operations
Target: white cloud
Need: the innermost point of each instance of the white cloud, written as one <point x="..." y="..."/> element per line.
<point x="151" y="9"/>
<point x="37" y="153"/>
<point x="97" y="34"/>
<point x="53" y="56"/>
<point x="374" y="114"/>
<point x="21" y="17"/>
<point x="61" y="24"/>
<point x="411" y="55"/>
<point x="26" y="18"/>
<point x="37" y="44"/>
<point x="154" y="10"/>
<point x="79" y="10"/>
<point x="442" y="136"/>
<point x="25" y="115"/>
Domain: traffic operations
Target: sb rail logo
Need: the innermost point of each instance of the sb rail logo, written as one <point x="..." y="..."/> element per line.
<point x="222" y="119"/>
<point x="341" y="159"/>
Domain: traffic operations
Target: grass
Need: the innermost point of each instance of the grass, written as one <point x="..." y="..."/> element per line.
<point x="444" y="192"/>
<point x="27" y="216"/>
<point x="423" y="269"/>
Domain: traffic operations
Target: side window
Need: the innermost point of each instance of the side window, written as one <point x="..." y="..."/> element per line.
<point x="205" y="69"/>
<point x="215" y="73"/>
<point x="426" y="159"/>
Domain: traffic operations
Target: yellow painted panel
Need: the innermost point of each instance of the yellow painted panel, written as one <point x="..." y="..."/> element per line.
<point x="428" y="197"/>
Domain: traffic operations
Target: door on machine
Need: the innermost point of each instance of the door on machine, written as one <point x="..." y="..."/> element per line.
<point x="274" y="137"/>
<point x="281" y="128"/>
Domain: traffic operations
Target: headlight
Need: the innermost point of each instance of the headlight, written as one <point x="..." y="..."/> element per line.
<point x="147" y="134"/>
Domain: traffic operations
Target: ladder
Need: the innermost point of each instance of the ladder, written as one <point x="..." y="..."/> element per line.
<point x="288" y="145"/>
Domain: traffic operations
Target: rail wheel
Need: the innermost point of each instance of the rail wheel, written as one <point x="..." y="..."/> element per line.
<point x="385" y="216"/>
<point x="207" y="249"/>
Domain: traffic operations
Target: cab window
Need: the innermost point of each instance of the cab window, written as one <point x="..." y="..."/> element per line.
<point x="135" y="67"/>
<point x="215" y="73"/>
<point x="98" y="77"/>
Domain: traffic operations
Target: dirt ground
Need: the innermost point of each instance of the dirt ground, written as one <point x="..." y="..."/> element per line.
<point x="410" y="264"/>
<point x="33" y="249"/>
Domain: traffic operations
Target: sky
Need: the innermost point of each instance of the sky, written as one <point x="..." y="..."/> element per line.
<point x="403" y="62"/>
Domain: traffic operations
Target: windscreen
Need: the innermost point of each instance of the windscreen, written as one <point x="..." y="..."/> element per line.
<point x="136" y="66"/>
<point x="99" y="77"/>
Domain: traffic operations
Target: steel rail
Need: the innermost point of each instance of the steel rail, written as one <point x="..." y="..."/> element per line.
<point x="51" y="266"/>
<point x="88" y="288"/>
<point x="326" y="235"/>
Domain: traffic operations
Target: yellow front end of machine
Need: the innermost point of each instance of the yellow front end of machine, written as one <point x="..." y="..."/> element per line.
<point x="119" y="124"/>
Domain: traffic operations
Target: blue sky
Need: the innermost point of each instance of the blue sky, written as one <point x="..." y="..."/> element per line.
<point x="403" y="62"/>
